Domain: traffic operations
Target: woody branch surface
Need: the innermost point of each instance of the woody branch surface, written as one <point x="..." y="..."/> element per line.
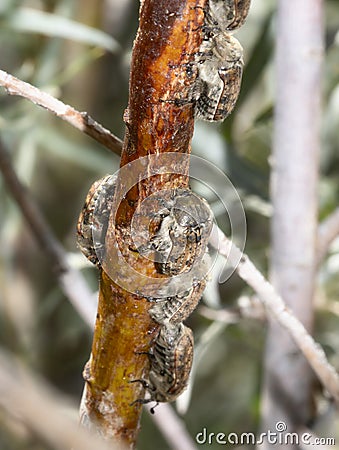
<point x="169" y="35"/>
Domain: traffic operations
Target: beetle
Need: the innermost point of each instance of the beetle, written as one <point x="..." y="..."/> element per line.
<point x="171" y="359"/>
<point x="182" y="238"/>
<point x="94" y="217"/>
<point x="226" y="15"/>
<point x="217" y="87"/>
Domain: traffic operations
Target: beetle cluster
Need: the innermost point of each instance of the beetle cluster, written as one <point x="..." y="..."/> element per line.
<point x="172" y="351"/>
<point x="180" y="245"/>
<point x="185" y="221"/>
<point x="220" y="60"/>
<point x="181" y="241"/>
<point x="182" y="236"/>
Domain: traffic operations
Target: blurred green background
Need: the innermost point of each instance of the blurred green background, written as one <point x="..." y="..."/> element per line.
<point x="79" y="51"/>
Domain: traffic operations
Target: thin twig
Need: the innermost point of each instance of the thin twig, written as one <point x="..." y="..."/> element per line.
<point x="327" y="232"/>
<point x="247" y="308"/>
<point x="221" y="315"/>
<point x="276" y="306"/>
<point x="70" y="280"/>
<point x="80" y="120"/>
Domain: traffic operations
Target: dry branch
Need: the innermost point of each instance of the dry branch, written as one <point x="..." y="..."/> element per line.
<point x="80" y="120"/>
<point x="281" y="313"/>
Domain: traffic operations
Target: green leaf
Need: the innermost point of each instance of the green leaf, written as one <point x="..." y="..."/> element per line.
<point x="34" y="21"/>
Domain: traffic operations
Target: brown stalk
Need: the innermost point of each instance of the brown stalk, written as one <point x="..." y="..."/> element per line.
<point x="169" y="35"/>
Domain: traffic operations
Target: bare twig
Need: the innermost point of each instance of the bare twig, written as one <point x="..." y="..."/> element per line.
<point x="276" y="306"/>
<point x="248" y="307"/>
<point x="70" y="280"/>
<point x="80" y="120"/>
<point x="327" y="232"/>
<point x="227" y="316"/>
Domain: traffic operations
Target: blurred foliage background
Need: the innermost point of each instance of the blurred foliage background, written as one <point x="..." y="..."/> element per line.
<point x="79" y="51"/>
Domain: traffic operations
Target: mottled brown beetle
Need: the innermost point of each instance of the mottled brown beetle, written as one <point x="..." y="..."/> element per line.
<point x="174" y="305"/>
<point x="171" y="361"/>
<point x="219" y="60"/>
<point x="182" y="238"/>
<point x="94" y="216"/>
<point x="226" y="15"/>
<point x="220" y="71"/>
<point x="177" y="308"/>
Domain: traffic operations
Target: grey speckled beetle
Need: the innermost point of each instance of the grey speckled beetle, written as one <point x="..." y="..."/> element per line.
<point x="177" y="308"/>
<point x="95" y="215"/>
<point x="220" y="71"/>
<point x="182" y="238"/>
<point x="220" y="60"/>
<point x="227" y="15"/>
<point x="171" y="361"/>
